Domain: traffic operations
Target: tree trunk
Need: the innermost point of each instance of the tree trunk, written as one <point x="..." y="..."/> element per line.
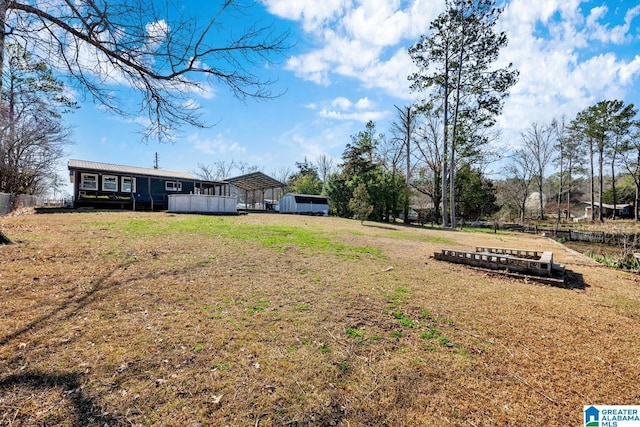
<point x="613" y="187"/>
<point x="408" y="174"/>
<point x="454" y="132"/>
<point x="445" y="154"/>
<point x="592" y="182"/>
<point x="3" y="18"/>
<point x="541" y="199"/>
<point x="635" y="206"/>
<point x="4" y="240"/>
<point x="569" y="186"/>
<point x="600" y="179"/>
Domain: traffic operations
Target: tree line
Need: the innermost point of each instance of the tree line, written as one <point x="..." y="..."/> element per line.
<point x="433" y="155"/>
<point x="439" y="146"/>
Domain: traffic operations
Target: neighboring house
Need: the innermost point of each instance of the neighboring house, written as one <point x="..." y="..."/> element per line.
<point x="304" y="204"/>
<point x="622" y="210"/>
<point x="105" y="185"/>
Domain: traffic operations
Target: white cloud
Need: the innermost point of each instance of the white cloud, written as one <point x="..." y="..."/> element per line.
<point x="343" y="109"/>
<point x="630" y="70"/>
<point x="313" y="14"/>
<point x="342" y="103"/>
<point x="355" y="36"/>
<point x="604" y="33"/>
<point x="218" y="145"/>
<point x="363" y="116"/>
<point x="364" y="104"/>
<point x="156" y="33"/>
<point x="550" y="43"/>
<point x="324" y="140"/>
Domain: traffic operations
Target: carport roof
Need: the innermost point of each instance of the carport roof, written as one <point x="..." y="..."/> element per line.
<point x="255" y="181"/>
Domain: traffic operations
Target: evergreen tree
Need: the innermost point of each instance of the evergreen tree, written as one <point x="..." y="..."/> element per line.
<point x="359" y="203"/>
<point x="337" y="190"/>
<point x="475" y="195"/>
<point x="599" y="126"/>
<point x="454" y="63"/>
<point x="306" y="180"/>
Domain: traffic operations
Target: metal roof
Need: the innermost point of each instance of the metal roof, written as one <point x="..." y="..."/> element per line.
<point x="309" y="198"/>
<point x="255" y="181"/>
<point x="131" y="170"/>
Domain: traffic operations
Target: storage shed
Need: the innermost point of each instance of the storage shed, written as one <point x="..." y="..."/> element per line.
<point x="306" y="204"/>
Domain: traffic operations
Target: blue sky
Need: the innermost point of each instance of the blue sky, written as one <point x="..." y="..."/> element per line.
<point x="349" y="64"/>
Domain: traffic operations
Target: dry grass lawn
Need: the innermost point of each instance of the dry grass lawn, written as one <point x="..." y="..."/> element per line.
<point x="120" y="318"/>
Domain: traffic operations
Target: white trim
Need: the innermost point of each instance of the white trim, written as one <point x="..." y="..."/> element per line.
<point x="83" y="181"/>
<point x="173" y="186"/>
<point x="132" y="184"/>
<point x="111" y="179"/>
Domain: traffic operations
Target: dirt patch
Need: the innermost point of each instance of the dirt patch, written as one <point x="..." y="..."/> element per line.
<point x="156" y="319"/>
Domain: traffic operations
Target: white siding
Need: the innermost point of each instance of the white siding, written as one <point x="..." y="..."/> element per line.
<point x="200" y="203"/>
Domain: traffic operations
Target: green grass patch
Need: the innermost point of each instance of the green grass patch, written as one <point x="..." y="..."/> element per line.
<point x="399" y="295"/>
<point x="444" y="341"/>
<point x="258" y="306"/>
<point x="430" y="334"/>
<point x="405" y="320"/>
<point x="434" y="240"/>
<point x="277" y="237"/>
<point x="301" y="307"/>
<point x="354" y="333"/>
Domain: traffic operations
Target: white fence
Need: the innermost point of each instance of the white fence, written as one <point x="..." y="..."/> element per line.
<point x="200" y="203"/>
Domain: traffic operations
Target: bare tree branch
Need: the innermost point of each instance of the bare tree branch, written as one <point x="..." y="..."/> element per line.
<point x="109" y="48"/>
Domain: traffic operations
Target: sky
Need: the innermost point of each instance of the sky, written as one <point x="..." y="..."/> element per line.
<point x="349" y="64"/>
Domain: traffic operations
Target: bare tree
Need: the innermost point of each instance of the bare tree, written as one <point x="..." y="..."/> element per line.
<point x="282" y="174"/>
<point x="245" y="168"/>
<point x="570" y="153"/>
<point x="403" y="130"/>
<point x="429" y="171"/>
<point x="32" y="136"/>
<point x="520" y="171"/>
<point x="204" y="172"/>
<point x="325" y="166"/>
<point x="151" y="47"/>
<point x="539" y="143"/>
<point x="224" y="168"/>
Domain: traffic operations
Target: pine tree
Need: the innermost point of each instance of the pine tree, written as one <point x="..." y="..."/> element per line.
<point x="455" y="69"/>
<point x="359" y="203"/>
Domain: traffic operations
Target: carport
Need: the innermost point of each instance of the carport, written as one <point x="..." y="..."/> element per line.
<point x="256" y="185"/>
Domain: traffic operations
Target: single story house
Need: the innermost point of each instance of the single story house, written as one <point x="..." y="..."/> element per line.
<point x="622" y="210"/>
<point x="106" y="185"/>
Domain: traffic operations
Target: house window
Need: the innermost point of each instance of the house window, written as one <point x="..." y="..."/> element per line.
<point x="88" y="181"/>
<point x="173" y="186"/>
<point x="128" y="185"/>
<point x="109" y="183"/>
